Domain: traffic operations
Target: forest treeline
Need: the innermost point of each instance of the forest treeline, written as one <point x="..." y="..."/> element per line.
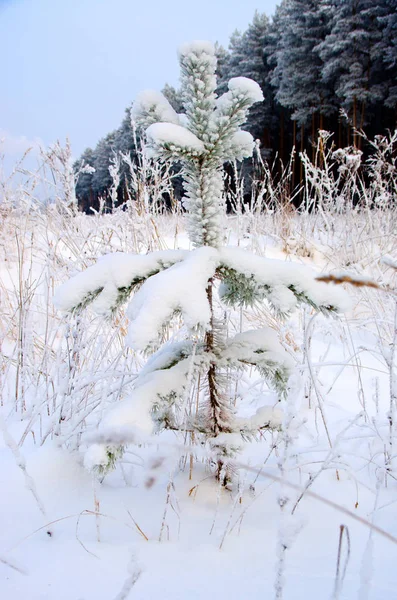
<point x="321" y="64"/>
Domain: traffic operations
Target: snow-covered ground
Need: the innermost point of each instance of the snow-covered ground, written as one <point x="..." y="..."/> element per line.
<point x="160" y="526"/>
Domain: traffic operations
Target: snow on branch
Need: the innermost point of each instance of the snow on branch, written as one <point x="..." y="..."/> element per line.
<point x="242" y="94"/>
<point x="109" y="282"/>
<point x="231" y="110"/>
<point x="249" y="278"/>
<point x="154" y="392"/>
<point x="167" y="356"/>
<point x="198" y="84"/>
<point x="174" y="140"/>
<point x="176" y="280"/>
<point x="151" y="405"/>
<point x="262" y="349"/>
<point x="246" y="87"/>
<point x="196" y="47"/>
<point x="181" y="288"/>
<point x="266" y="417"/>
<point x="241" y="145"/>
<point x="150" y="107"/>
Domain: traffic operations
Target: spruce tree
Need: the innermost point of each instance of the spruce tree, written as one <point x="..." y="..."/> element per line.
<point x="195" y="284"/>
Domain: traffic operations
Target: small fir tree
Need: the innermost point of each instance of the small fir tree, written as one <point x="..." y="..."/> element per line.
<point x="194" y="283"/>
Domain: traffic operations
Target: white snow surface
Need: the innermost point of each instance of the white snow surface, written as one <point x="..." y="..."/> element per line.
<point x="96" y="456"/>
<point x="241" y="145"/>
<point x="111" y="272"/>
<point x="175" y="137"/>
<point x="279" y="275"/>
<point x="246" y="86"/>
<point x="158" y="379"/>
<point x="154" y="103"/>
<point x="247" y="345"/>
<point x="183" y="119"/>
<point x="165" y="356"/>
<point x="196" y="47"/>
<point x="181" y="288"/>
<point x="241" y="89"/>
<point x="265" y="416"/>
<point x="135" y="412"/>
<point x="226" y="541"/>
<point x="227" y="440"/>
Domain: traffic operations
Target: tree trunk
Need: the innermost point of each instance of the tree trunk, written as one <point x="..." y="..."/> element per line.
<point x="294" y="146"/>
<point x="301" y="163"/>
<point x="321" y="141"/>
<point x="209" y="346"/>
<point x="313" y="137"/>
<point x="354" y="122"/>
<point x="282" y="135"/>
<point x="216" y="416"/>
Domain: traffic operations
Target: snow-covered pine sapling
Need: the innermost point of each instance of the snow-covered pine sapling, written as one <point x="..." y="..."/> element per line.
<point x="192" y="283"/>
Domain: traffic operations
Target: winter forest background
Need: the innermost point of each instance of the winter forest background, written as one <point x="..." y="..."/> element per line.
<point x="322" y="65"/>
<point x="198" y="325"/>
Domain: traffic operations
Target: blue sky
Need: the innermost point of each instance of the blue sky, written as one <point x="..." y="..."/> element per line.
<point x="70" y="68"/>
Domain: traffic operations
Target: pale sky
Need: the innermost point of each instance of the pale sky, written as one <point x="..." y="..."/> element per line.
<point x="71" y="67"/>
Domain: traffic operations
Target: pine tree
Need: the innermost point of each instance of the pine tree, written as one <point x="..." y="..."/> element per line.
<point x="386" y="50"/>
<point x="84" y="181"/>
<point x="174" y="97"/>
<point x="247" y="58"/>
<point x="194" y="283"/>
<point x="104" y="152"/>
<point x="349" y="53"/>
<point x="298" y="66"/>
<point x="271" y="53"/>
<point x="125" y="141"/>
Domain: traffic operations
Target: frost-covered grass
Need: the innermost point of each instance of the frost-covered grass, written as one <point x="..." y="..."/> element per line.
<point x="159" y="525"/>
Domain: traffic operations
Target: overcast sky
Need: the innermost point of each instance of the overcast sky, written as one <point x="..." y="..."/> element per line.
<point x="71" y="67"/>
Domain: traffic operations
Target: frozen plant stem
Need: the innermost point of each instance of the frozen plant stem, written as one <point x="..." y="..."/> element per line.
<point x="393" y="396"/>
<point x="286" y="525"/>
<point x="20" y="461"/>
<point x="314" y="380"/>
<point x="340" y="573"/>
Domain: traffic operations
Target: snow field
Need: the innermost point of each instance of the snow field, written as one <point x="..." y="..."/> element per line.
<point x="344" y="379"/>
